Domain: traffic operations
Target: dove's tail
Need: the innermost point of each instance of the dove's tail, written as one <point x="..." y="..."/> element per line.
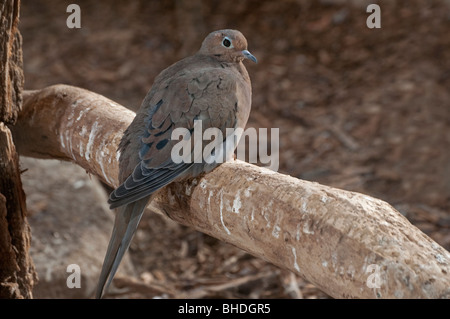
<point x="125" y="225"/>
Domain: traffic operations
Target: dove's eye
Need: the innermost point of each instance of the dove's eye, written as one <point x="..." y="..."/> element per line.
<point x="226" y="42"/>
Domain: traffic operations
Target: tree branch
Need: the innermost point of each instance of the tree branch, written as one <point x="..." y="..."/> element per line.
<point x="348" y="244"/>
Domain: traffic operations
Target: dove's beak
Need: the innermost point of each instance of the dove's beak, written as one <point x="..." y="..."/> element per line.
<point x="249" y="56"/>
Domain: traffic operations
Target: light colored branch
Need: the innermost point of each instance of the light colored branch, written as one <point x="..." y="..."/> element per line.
<point x="346" y="243"/>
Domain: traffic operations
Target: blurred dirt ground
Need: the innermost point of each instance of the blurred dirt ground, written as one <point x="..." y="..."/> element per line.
<point x="361" y="109"/>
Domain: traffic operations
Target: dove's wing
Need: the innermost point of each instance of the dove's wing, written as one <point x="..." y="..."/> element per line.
<point x="207" y="95"/>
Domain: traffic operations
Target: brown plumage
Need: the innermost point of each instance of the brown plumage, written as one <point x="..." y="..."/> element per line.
<point x="212" y="86"/>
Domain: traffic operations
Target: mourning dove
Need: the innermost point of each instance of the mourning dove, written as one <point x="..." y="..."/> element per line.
<point x="213" y="87"/>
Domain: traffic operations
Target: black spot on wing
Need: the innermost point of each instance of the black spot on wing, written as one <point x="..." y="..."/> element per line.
<point x="157" y="106"/>
<point x="162" y="143"/>
<point x="160" y="133"/>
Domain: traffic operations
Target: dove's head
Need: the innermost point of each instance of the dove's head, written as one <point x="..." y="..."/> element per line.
<point x="227" y="46"/>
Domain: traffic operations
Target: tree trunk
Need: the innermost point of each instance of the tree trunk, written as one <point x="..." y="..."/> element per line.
<point x="17" y="275"/>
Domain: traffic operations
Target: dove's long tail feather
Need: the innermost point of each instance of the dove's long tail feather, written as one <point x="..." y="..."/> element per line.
<point x="125" y="225"/>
